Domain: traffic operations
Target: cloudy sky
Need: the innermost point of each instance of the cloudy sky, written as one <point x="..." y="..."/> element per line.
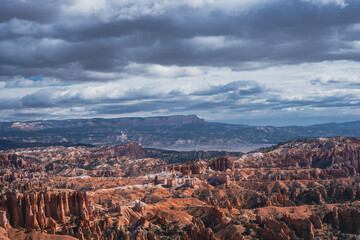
<point x="259" y="62"/>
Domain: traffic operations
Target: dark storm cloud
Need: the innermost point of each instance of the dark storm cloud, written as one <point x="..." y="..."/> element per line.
<point x="39" y="11"/>
<point x="277" y="31"/>
<point x="10" y="104"/>
<point x="174" y="105"/>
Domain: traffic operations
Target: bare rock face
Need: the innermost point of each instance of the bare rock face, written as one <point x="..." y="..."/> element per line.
<point x="133" y="150"/>
<point x="141" y="235"/>
<point x="191" y="168"/>
<point x="345" y="193"/>
<point x="303" y="227"/>
<point x="335" y="153"/>
<point x="288" y="228"/>
<point x="346" y="219"/>
<point x="316" y="221"/>
<point x="349" y="220"/>
<point x="10" y="160"/>
<point x="209" y="234"/>
<point x="4" y="222"/>
<point x="44" y="210"/>
<point x="314" y="195"/>
<point x="197" y="230"/>
<point x="221" y="164"/>
<point x="274" y="230"/>
<point x="184" y="169"/>
<point x="139" y="207"/>
<point x="31" y="207"/>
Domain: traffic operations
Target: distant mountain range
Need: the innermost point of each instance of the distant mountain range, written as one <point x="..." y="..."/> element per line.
<point x="7" y="144"/>
<point x="170" y="132"/>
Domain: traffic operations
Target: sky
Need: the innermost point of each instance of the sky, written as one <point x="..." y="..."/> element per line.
<point x="257" y="62"/>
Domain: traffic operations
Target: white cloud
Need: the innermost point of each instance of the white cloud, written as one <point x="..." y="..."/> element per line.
<point x="157" y="70"/>
<point x="286" y="88"/>
<point x="22" y="82"/>
<point x="108" y="10"/>
<point x="341" y="3"/>
<point x="86" y="7"/>
<point x="206" y="43"/>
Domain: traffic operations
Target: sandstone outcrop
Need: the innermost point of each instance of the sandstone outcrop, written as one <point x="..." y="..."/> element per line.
<point x="303" y="227"/>
<point x="44" y="210"/>
<point x="197" y="230"/>
<point x="348" y="220"/>
<point x="191" y="168"/>
<point x="336" y="153"/>
<point x="221" y="164"/>
<point x="274" y="230"/>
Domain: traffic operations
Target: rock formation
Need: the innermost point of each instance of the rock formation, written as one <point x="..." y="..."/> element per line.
<point x="221" y="164"/>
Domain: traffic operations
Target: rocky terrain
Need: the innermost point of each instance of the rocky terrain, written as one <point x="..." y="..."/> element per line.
<point x="301" y="189"/>
<point x="172" y="132"/>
